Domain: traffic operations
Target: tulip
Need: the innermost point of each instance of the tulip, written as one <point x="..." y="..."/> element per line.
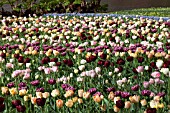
<point x="13" y="91"/>
<point x="26" y="98"/>
<point x="75" y="99"/>
<point x="1" y="100"/>
<point x="16" y="103"/>
<point x="40" y="89"/>
<point x="51" y="81"/>
<point x="145" y="84"/>
<point x="116" y="109"/>
<point x="22" y="92"/>
<point x="40" y="101"/>
<point x="140" y="69"/>
<point x="69" y="93"/>
<point x="80" y="101"/>
<point x="135" y="87"/>
<point x="80" y="92"/>
<point x="146" y="93"/>
<point x="151" y="110"/>
<point x="4" y="90"/>
<point x="69" y="103"/>
<point x="134" y="99"/>
<point x="159" y="63"/>
<point x="21" y="108"/>
<point x="97" y="98"/>
<point x="143" y="102"/>
<point x="155" y="74"/>
<point x="86" y="95"/>
<point x="10" y="85"/>
<point x="33" y="100"/>
<point x="2" y="107"/>
<point x="39" y="94"/>
<point x="45" y="94"/>
<point x="55" y="93"/>
<point x="59" y="103"/>
<point x="35" y="82"/>
<point x="127" y="104"/>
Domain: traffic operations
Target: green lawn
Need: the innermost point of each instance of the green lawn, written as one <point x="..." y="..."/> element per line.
<point x="162" y="12"/>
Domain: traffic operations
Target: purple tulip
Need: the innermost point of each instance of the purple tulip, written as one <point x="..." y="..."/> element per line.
<point x="35" y="82"/>
<point x="161" y="94"/>
<point x="92" y="90"/>
<point x="22" y="84"/>
<point x="97" y="93"/>
<point x="117" y="93"/>
<point x="64" y="86"/>
<point x="146" y="92"/>
<point x="110" y="89"/>
<point x="125" y="94"/>
<point x="40" y="89"/>
<point x="10" y="85"/>
<point x="135" y="87"/>
<point x="51" y="81"/>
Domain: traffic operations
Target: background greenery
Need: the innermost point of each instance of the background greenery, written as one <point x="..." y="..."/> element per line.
<point x="162" y="12"/>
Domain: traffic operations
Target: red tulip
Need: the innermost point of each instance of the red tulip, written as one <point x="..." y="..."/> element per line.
<point x="21" y="108"/>
<point x="16" y="103"/>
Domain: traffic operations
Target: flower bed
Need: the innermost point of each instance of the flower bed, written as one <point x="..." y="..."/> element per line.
<point x="84" y="63"/>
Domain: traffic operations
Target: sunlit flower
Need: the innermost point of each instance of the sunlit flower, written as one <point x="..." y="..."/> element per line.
<point x="69" y="93"/>
<point x="13" y="91"/>
<point x="22" y="92"/>
<point x="127" y="104"/>
<point x="4" y="90"/>
<point x="59" y="103"/>
<point x="143" y="102"/>
<point x="86" y="95"/>
<point x="80" y="92"/>
<point x="97" y="98"/>
<point x="45" y="94"/>
<point x="69" y="103"/>
<point x="55" y="93"/>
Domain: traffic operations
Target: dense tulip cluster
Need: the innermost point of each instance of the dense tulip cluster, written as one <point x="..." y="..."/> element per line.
<point x="76" y="63"/>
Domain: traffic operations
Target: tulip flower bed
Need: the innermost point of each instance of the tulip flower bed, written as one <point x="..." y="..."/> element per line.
<point x="78" y="64"/>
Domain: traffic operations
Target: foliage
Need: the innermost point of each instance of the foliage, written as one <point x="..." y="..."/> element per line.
<point x="25" y="7"/>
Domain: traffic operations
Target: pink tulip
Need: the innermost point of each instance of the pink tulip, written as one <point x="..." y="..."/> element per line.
<point x="151" y="81"/>
<point x="9" y="65"/>
<point x="27" y="70"/>
<point x="156" y="74"/>
<point x="93" y="43"/>
<point x="54" y="69"/>
<point x="26" y="76"/>
<point x="47" y="70"/>
<point x="152" y="94"/>
<point x="40" y="68"/>
<point x="140" y="69"/>
<point x="145" y="84"/>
